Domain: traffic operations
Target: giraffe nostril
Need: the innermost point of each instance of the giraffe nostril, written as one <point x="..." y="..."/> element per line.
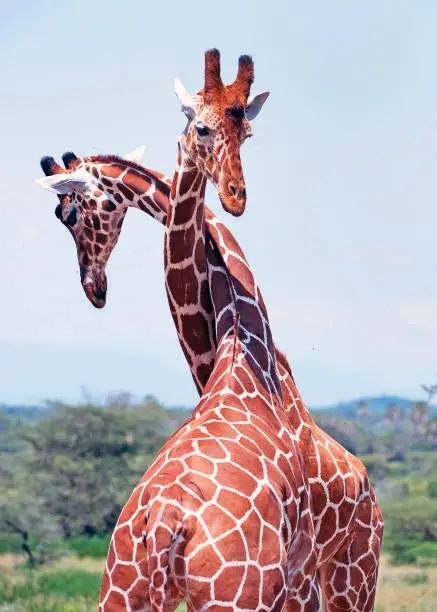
<point x="100" y="294"/>
<point x="232" y="189"/>
<point x="242" y="194"/>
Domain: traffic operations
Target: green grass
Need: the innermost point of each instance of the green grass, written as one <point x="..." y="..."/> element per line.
<point x="53" y="605"/>
<point x="417" y="579"/>
<point x="49" y="590"/>
<point x="72" y="585"/>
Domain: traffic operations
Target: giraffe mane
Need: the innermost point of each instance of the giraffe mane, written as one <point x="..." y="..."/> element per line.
<point x="118" y="160"/>
<point x="282" y="359"/>
<point x="236" y="327"/>
<point x="127" y="163"/>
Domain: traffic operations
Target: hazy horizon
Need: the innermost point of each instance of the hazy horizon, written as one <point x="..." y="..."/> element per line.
<point x="87" y="397"/>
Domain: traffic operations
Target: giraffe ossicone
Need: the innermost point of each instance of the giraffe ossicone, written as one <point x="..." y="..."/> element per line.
<point x="136" y="155"/>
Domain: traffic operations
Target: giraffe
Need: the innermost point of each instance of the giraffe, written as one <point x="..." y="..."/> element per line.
<point x="218" y="123"/>
<point x="348" y="522"/>
<point x="197" y="536"/>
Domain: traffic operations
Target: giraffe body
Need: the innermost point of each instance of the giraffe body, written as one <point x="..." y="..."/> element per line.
<point x="223" y="523"/>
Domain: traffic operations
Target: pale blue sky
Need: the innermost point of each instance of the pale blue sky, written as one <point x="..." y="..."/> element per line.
<point x="341" y="220"/>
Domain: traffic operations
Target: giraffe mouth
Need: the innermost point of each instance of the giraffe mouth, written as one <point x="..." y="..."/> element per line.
<point x="233" y="205"/>
<point x="233" y="196"/>
<point x="97" y="296"/>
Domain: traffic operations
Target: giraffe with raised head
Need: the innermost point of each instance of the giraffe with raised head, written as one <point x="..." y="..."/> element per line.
<point x="224" y="509"/>
<point x="347" y="518"/>
<point x="348" y="535"/>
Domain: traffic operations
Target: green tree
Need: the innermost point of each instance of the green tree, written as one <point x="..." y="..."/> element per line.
<point x="85" y="460"/>
<point x="432" y="488"/>
<point x="25" y="516"/>
<point x="348" y="433"/>
<point x="393" y="413"/>
<point x="419" y="412"/>
<point x="362" y="410"/>
<point x="413" y="518"/>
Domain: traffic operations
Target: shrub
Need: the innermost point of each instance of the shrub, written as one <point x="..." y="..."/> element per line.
<point x="411" y="518"/>
<point x="432" y="489"/>
<point x="425" y="553"/>
<point x="401" y="551"/>
<point x="94" y="547"/>
<point x="416" y="486"/>
<point x="9" y="543"/>
<point x="30" y="530"/>
<point x="375" y="465"/>
<point x="406" y="552"/>
<point x="396" y="468"/>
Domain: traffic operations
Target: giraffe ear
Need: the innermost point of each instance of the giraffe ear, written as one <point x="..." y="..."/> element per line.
<point x="136" y="155"/>
<point x="255" y="104"/>
<point x="79" y="180"/>
<point x="185" y="99"/>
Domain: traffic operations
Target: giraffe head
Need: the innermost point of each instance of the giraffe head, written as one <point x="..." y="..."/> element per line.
<point x="218" y="124"/>
<point x="93" y="217"/>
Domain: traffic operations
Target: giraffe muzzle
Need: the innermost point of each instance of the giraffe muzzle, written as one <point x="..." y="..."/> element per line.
<point x="233" y="198"/>
<point x="95" y="290"/>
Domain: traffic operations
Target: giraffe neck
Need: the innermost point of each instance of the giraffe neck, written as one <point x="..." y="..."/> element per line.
<point x="128" y="184"/>
<point x="187" y="202"/>
<point x="242" y="328"/>
<point x="186" y="272"/>
<point x="239" y="316"/>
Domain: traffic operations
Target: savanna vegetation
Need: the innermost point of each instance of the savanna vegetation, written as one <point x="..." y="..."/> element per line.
<point x="66" y="471"/>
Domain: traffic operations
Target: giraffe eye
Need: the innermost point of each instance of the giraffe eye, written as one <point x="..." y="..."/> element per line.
<point x="72" y="217"/>
<point x="202" y="130"/>
<point x="58" y="211"/>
